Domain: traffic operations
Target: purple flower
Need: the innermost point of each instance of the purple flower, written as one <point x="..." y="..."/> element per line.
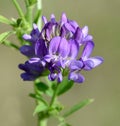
<point x="85" y="62"/>
<point x="29" y="50"/>
<point x="33" y="69"/>
<point x="56" y="48"/>
<point x="90" y="62"/>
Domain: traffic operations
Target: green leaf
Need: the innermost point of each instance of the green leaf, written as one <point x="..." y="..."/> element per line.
<point x="42" y="86"/>
<point x="5" y="20"/>
<point x="10" y="44"/>
<point x="40" y="108"/>
<point x="78" y="106"/>
<point x="30" y="3"/>
<point x="64" y="86"/>
<point x="38" y="97"/>
<point x="5" y="35"/>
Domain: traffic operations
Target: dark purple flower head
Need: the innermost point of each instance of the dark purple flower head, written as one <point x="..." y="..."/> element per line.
<point x="33" y="69"/>
<point x="29" y="50"/>
<point x="34" y="35"/>
<point x="55" y="49"/>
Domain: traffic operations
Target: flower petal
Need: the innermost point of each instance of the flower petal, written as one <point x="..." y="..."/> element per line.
<point x="92" y="62"/>
<point x="88" y="38"/>
<point x="96" y="60"/>
<point x="77" y="77"/>
<point x="64" y="48"/>
<point x="34" y="60"/>
<point x="53" y="18"/>
<point x="23" y="67"/>
<point x="76" y="65"/>
<point x="54" y="44"/>
<point x="27" y="37"/>
<point x="87" y="50"/>
<point x="35" y="33"/>
<point x="59" y="78"/>
<point x="63" y="19"/>
<point x="47" y="58"/>
<point x="52" y="76"/>
<point x="88" y="65"/>
<point x="73" y="24"/>
<point x="74" y="48"/>
<point x="40" y="48"/>
<point x="69" y="27"/>
<point x="44" y="19"/>
<point x="78" y="36"/>
<point x="28" y="77"/>
<point x="85" y="31"/>
<point x="27" y="50"/>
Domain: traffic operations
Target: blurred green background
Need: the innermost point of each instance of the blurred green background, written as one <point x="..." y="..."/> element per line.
<point x="102" y="83"/>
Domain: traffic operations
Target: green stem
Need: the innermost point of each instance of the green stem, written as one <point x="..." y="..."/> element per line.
<point x="43" y="122"/>
<point x="39" y="7"/>
<point x="20" y="12"/>
<point x="54" y="96"/>
<point x="29" y="12"/>
<point x="10" y="44"/>
<point x="35" y="90"/>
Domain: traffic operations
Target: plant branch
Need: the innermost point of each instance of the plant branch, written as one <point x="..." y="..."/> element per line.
<point x="39" y="8"/>
<point x="20" y="12"/>
<point x="54" y="95"/>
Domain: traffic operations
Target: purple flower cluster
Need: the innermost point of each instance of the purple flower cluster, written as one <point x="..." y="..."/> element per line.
<point x="54" y="50"/>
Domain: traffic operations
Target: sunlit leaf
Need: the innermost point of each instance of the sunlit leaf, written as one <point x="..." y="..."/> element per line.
<point x="38" y="98"/>
<point x="4" y="20"/>
<point x="10" y="44"/>
<point x="5" y="35"/>
<point x="42" y="87"/>
<point x="39" y="108"/>
<point x="64" y="86"/>
<point x="32" y="2"/>
<point x="78" y="106"/>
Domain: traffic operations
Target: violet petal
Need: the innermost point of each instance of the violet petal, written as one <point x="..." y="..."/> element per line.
<point x="44" y="19"/>
<point x="59" y="79"/>
<point x="40" y="48"/>
<point x="27" y="50"/>
<point x="85" y="31"/>
<point x="77" y="77"/>
<point x="27" y="37"/>
<point x="69" y="27"/>
<point x="96" y="60"/>
<point x="34" y="60"/>
<point x="74" y="48"/>
<point x="88" y="48"/>
<point x="76" y="65"/>
<point x="73" y="24"/>
<point x="28" y="77"/>
<point x="63" y="19"/>
<point x="54" y="44"/>
<point x="63" y="48"/>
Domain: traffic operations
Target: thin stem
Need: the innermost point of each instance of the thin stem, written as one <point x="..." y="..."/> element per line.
<point x="20" y="12"/>
<point x="54" y="96"/>
<point x="29" y="12"/>
<point x="39" y="7"/>
<point x="43" y="122"/>
<point x="36" y="101"/>
<point x="29" y="15"/>
<point x="10" y="44"/>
